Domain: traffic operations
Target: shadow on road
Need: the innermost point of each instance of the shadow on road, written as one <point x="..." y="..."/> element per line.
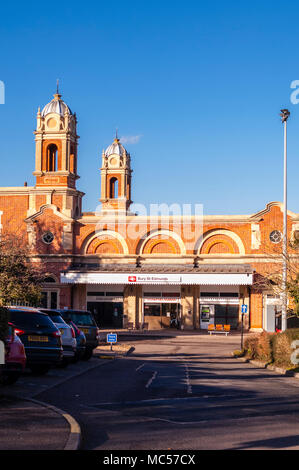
<point x="274" y="443"/>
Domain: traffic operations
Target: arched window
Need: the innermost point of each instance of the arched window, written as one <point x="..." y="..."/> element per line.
<point x="51" y="157"/>
<point x="73" y="162"/>
<point x="114" y="188"/>
<point x="48" y="279"/>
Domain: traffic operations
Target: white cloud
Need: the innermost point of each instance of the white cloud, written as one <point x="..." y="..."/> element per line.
<point x="130" y="139"/>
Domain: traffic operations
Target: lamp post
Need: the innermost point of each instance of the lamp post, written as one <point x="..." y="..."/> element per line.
<point x="285" y="113"/>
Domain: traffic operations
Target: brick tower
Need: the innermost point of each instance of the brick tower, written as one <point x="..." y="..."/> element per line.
<point x="116" y="178"/>
<point x="56" y="143"/>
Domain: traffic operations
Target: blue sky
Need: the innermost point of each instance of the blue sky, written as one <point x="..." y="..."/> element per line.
<point x="199" y="83"/>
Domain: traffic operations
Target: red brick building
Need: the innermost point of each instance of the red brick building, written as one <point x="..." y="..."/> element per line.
<point x="130" y="268"/>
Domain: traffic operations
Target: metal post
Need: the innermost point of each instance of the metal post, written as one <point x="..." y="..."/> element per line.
<point x="284" y="115"/>
<point x="242" y="331"/>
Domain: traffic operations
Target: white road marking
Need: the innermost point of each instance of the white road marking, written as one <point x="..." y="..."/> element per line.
<point x="151" y="379"/>
<point x="189" y="387"/>
<point x="162" y="400"/>
<point x="138" y="368"/>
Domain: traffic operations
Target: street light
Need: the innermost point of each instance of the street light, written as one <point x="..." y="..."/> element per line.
<point x="285" y="113"/>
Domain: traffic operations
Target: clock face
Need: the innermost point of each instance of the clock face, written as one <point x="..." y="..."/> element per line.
<point x="275" y="236"/>
<point x="52" y="123"/>
<point x="114" y="160"/>
<point x="48" y="238"/>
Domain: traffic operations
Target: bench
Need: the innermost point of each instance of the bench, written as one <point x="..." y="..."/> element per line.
<point x="222" y="329"/>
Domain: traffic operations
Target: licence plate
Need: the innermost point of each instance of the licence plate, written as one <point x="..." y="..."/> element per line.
<point x="85" y="330"/>
<point x="40" y="339"/>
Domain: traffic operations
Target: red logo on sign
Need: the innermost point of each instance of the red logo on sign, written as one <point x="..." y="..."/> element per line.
<point x="132" y="279"/>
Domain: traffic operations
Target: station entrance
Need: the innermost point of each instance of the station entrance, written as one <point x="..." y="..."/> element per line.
<point x="107" y="314"/>
<point x="106" y="305"/>
<point x="162" y="307"/>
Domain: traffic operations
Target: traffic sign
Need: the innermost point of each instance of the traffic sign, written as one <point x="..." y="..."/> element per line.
<point x="244" y="308"/>
<point x="112" y="338"/>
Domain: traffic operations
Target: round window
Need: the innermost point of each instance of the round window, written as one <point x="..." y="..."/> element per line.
<point x="48" y="238"/>
<point x="275" y="236"/>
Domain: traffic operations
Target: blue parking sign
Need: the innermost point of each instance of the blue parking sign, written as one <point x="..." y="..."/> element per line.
<point x="112" y="338"/>
<point x="244" y="308"/>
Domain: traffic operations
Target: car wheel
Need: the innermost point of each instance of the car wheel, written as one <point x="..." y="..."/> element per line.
<point x="75" y="358"/>
<point x="9" y="379"/>
<point x="87" y="355"/>
<point x="63" y="364"/>
<point x="39" y="369"/>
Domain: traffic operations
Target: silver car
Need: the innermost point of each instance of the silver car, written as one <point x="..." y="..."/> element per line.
<point x="68" y="337"/>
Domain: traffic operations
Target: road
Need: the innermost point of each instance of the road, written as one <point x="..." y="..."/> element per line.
<point x="180" y="393"/>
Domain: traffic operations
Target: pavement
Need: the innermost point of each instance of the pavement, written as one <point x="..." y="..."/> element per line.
<point x="26" y="423"/>
<point x="29" y="424"/>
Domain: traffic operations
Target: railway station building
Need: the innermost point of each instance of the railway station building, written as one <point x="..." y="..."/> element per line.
<point x="133" y="269"/>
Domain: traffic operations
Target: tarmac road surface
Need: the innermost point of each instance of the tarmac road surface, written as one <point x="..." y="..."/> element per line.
<point x="181" y="393"/>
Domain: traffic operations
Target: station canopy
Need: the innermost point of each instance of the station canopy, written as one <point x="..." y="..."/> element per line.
<point x="216" y="274"/>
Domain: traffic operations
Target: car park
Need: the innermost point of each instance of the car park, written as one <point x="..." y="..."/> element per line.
<point x="68" y="336"/>
<point x="15" y="358"/>
<point x="40" y="337"/>
<point x="86" y="323"/>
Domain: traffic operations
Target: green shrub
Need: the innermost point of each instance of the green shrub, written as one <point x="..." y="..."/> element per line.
<point x="3" y="323"/>
<point x="272" y="347"/>
<point x="259" y="347"/>
<point x="264" y="347"/>
<point x="250" y="346"/>
<point x="282" y="347"/>
<point x="238" y="353"/>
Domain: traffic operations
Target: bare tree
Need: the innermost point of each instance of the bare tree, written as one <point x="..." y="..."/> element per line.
<point x="271" y="280"/>
<point x="20" y="279"/>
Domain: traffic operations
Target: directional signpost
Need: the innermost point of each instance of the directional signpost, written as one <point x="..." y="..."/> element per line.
<point x="244" y="310"/>
<point x="112" y="339"/>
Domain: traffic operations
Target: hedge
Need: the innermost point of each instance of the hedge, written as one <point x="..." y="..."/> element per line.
<point x="272" y="347"/>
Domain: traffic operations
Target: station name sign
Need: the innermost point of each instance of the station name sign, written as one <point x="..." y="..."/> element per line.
<point x="148" y="279"/>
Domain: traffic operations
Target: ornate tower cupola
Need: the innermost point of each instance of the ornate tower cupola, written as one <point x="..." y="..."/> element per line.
<point x="56" y="145"/>
<point x="116" y="178"/>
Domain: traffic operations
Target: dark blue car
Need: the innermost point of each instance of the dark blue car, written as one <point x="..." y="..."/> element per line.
<point x="41" y="338"/>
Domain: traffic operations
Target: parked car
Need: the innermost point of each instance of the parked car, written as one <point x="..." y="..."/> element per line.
<point x="86" y="323"/>
<point x="15" y="358"/>
<point x="40" y="336"/>
<point x="81" y="342"/>
<point x="68" y="336"/>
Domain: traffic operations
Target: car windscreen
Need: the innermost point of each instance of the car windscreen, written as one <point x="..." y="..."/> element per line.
<point x="79" y="318"/>
<point x="29" y="320"/>
<point x="55" y="317"/>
